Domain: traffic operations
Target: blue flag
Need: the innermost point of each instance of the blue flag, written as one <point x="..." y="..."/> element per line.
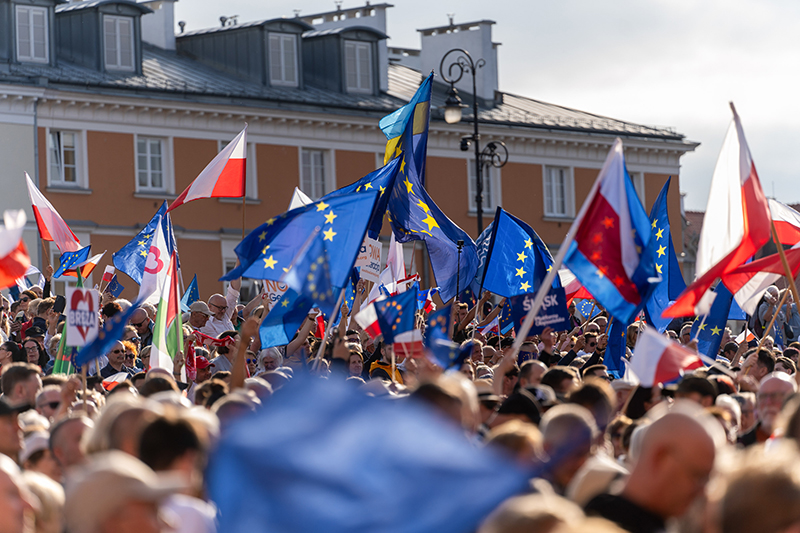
<point x="672" y="284"/>
<point x="267" y="469"/>
<point x="709" y="332"/>
<point x="132" y="257"/>
<point x="506" y="318"/>
<point x="396" y="314"/>
<point x="114" y="287"/>
<point x="414" y="216"/>
<point x="73" y="260"/>
<point x="615" y="349"/>
<point x="284" y="319"/>
<point x="443" y="351"/>
<point x="111" y="331"/>
<point x="482" y="249"/>
<point x="380" y="181"/>
<point x="268" y="251"/>
<point x="517" y="261"/>
<point x="191" y="295"/>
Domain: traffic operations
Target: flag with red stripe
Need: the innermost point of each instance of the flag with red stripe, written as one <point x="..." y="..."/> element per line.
<point x="51" y="226"/>
<point x="787" y="222"/>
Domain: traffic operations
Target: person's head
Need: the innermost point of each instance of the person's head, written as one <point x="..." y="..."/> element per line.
<point x="697" y="389"/>
<point x="531" y="372"/>
<point x="729" y="350"/>
<point x="477" y="350"/>
<point x="218" y="305"/>
<point x="140" y="320"/>
<point x="203" y="365"/>
<point x="674" y="461"/>
<point x="521" y="440"/>
<point x="116" y="355"/>
<point x="615" y="432"/>
<point x="270" y="358"/>
<point x="591" y="342"/>
<point x="461" y="312"/>
<point x="25" y="298"/>
<point x="130" y="334"/>
<point x="792" y="353"/>
<point x="65" y="440"/>
<point x="21" y="382"/>
<point x="15" y="507"/>
<point x="784" y="364"/>
<point x="598" y="397"/>
<point x="144" y="355"/>
<point x="48" y="401"/>
<point x="765" y="363"/>
<point x="356" y="362"/>
<point x="528" y="351"/>
<point x="173" y="443"/>
<point x="686" y="334"/>
<point x="199" y="313"/>
<point x="772" y="392"/>
<point x="596" y="371"/>
<point x="109" y="310"/>
<point x="10" y="352"/>
<point x="568" y="434"/>
<point x="131" y="352"/>
<point x="34" y="352"/>
<point x="562" y="379"/>
<point x="10" y="433"/>
<point x="117" y="493"/>
<point x="747" y="405"/>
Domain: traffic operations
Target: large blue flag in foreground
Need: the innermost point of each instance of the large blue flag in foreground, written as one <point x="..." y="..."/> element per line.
<point x="267" y="470"/>
<point x="709" y="332"/>
<point x="517" y="261"/>
<point x="268" y="251"/>
<point x="672" y="284"/>
<point x="132" y="257"/>
<point x="612" y="253"/>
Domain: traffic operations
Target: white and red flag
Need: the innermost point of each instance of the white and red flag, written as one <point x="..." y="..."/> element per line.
<point x="51" y="226"/>
<point x="659" y="359"/>
<point x="14" y="259"/>
<point x="735" y="226"/>
<point x="787" y="222"/>
<point x="224" y="177"/>
<point x="108" y="273"/>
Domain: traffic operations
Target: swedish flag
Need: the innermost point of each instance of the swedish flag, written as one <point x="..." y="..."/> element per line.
<point x="412" y="118"/>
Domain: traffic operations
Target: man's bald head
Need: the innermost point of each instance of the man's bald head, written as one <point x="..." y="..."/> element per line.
<point x="772" y="392"/>
<point x="218" y="305"/>
<point x="140" y="320"/>
<point x="676" y="459"/>
<point x="531" y="372"/>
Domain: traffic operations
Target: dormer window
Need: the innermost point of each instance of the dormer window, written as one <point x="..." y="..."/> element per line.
<point x="118" y="42"/>
<point x="358" y="66"/>
<point x="32" y="34"/>
<point x="283" y="59"/>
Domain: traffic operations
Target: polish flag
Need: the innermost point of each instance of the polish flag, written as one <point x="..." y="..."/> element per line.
<point x="787" y="222"/>
<point x="108" y="273"/>
<point x="115" y="379"/>
<point x="14" y="259"/>
<point x="572" y="286"/>
<point x="367" y="318"/>
<point x="735" y="226"/>
<point x="409" y="344"/>
<point x="749" y="281"/>
<point x="745" y="336"/>
<point x="51" y="226"/>
<point x="222" y="178"/>
<point x="394" y="272"/>
<point x="658" y="359"/>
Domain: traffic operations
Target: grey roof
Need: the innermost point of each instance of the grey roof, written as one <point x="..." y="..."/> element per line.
<point x="91" y="4"/>
<point x="517" y="110"/>
<point x="256" y="23"/>
<point x="337" y="31"/>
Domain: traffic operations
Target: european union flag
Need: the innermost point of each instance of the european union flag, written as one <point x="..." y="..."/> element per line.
<point x="382" y="181"/>
<point x="284" y="319"/>
<point x="615" y="350"/>
<point x="672" y="284"/>
<point x="267" y="468"/>
<point x="111" y="331"/>
<point x="114" y="287"/>
<point x="709" y="331"/>
<point x="482" y="249"/>
<point x="73" y="260"/>
<point x="268" y="251"/>
<point x="396" y="314"/>
<point x="132" y="257"/>
<point x="441" y="348"/>
<point x="191" y="295"/>
<point x="506" y="318"/>
<point x="517" y="261"/>
<point x="414" y="215"/>
<point x="407" y="128"/>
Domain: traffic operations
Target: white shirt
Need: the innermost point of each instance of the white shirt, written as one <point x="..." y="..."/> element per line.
<point x="215" y="326"/>
<point x="193" y="514"/>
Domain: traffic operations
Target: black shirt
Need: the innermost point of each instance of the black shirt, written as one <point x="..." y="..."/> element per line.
<point x="108" y="371"/>
<point x="625" y="514"/>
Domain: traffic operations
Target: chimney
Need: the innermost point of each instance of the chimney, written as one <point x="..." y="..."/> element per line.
<point x="475" y="38"/>
<point x="158" y="27"/>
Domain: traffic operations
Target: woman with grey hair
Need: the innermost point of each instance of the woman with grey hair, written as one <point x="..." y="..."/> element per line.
<point x="269" y="359"/>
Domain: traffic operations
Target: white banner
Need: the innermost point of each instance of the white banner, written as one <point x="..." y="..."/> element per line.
<point x="273" y="290"/>
<point x="369" y="259"/>
<point x="83" y="321"/>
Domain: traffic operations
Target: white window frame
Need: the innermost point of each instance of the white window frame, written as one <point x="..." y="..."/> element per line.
<point x="282" y="40"/>
<point x="166" y="165"/>
<point x="492" y="196"/>
<point x="56" y="178"/>
<point x="359" y="47"/>
<point x="30" y="11"/>
<point x="569" y="192"/>
<point x="250" y="171"/>
<point x="638" y="183"/>
<point x="324" y="163"/>
<point x="115" y="63"/>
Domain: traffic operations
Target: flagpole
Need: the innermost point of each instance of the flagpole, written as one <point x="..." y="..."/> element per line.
<point x="45" y="252"/>
<point x="789" y="276"/>
<point x="700" y="327"/>
<point x="772" y="321"/>
<point x="325" y="330"/>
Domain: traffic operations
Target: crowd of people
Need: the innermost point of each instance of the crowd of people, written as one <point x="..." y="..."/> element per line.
<point x="126" y="449"/>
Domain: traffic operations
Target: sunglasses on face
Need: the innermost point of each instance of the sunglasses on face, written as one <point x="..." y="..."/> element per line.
<point x="252" y="361"/>
<point x="140" y="323"/>
<point x="592" y="344"/>
<point x="129" y="356"/>
<point x="137" y="340"/>
<point x="51" y="405"/>
<point x="32" y="348"/>
<point x="24" y="299"/>
<point x="117" y="351"/>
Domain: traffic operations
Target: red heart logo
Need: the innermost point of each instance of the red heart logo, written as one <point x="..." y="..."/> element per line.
<point x="77" y="298"/>
<point x="155" y="253"/>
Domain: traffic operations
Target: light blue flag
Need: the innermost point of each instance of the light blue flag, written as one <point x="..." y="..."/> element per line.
<point x="425" y="476"/>
<point x="191" y="295"/>
<point x="709" y="331"/>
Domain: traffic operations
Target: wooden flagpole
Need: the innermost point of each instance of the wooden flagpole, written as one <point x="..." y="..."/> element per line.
<point x="787" y="270"/>
<point x="772" y="322"/>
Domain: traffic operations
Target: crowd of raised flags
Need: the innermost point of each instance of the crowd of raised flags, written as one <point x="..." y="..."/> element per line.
<point x="614" y="289"/>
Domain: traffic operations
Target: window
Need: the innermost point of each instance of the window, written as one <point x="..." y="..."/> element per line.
<point x="150" y="164"/>
<point x="638" y="183"/>
<point x="358" y="66"/>
<point x="312" y="173"/>
<point x="63" y="153"/>
<point x="248" y="290"/>
<point x="283" y="59"/>
<point x="250" y="175"/>
<point x="32" y="42"/>
<point x="118" y="42"/>
<point x="491" y="188"/>
<point x="559" y="199"/>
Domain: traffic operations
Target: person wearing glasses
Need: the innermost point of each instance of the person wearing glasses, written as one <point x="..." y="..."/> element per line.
<point x="116" y="362"/>
<point x="222" y="308"/>
<point x="48" y="401"/>
<point x="144" y="326"/>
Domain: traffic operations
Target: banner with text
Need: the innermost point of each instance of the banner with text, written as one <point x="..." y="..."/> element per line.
<point x="83" y="322"/>
<point x="369" y="259"/>
<point x="553" y="314"/>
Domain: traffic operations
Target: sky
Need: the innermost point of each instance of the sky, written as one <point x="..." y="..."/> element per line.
<point x="670" y="63"/>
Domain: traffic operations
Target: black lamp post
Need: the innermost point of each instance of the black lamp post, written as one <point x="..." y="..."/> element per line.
<point x="494" y="153"/>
